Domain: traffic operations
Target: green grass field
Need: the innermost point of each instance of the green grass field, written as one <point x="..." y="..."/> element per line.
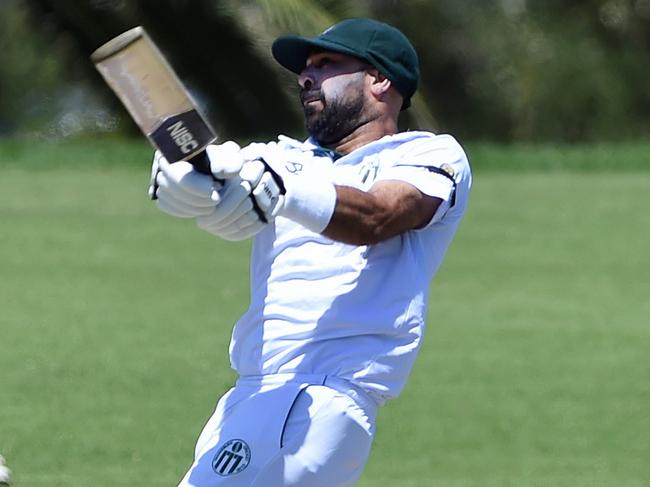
<point x="115" y="321"/>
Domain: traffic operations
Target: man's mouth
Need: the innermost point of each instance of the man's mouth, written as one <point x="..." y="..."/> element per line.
<point x="309" y="97"/>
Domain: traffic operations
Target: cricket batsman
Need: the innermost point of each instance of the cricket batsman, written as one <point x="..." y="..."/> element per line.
<point x="349" y="227"/>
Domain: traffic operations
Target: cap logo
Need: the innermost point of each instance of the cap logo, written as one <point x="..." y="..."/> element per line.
<point x="327" y="30"/>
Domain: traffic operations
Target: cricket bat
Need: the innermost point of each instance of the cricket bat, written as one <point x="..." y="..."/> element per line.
<point x="154" y="96"/>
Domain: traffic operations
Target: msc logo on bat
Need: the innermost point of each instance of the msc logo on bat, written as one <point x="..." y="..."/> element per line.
<point x="183" y="137"/>
<point x="233" y="457"/>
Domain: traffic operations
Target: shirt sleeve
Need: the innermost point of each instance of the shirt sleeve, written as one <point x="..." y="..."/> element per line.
<point x="428" y="182"/>
<point x="430" y="164"/>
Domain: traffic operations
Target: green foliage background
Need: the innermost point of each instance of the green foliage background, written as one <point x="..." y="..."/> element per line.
<point x="507" y="70"/>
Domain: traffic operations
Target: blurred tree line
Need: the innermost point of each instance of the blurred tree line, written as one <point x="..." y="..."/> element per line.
<point x="504" y="70"/>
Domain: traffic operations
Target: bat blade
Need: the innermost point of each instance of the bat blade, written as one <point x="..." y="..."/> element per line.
<point x="140" y="76"/>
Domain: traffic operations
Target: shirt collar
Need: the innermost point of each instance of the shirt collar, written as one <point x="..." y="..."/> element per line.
<point x="311" y="145"/>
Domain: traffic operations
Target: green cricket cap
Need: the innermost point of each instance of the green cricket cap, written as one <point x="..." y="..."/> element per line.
<point x="380" y="44"/>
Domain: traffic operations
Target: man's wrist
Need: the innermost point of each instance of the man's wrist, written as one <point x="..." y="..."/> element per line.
<point x="310" y="203"/>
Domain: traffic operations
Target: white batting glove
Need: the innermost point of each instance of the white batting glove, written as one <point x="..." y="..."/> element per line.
<point x="248" y="203"/>
<point x="226" y="159"/>
<point x="180" y="190"/>
<point x="5" y="473"/>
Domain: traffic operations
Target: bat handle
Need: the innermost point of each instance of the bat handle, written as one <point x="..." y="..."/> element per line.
<point x="201" y="163"/>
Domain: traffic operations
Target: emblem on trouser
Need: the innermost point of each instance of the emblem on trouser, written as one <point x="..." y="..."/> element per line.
<point x="233" y="457"/>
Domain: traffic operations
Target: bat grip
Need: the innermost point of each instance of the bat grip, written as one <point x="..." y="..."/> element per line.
<point x="201" y="163"/>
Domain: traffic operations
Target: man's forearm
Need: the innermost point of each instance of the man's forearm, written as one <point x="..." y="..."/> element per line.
<point x="388" y="209"/>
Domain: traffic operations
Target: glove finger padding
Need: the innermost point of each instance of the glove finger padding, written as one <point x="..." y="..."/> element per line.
<point x="248" y="222"/>
<point x="226" y="159"/>
<point x="245" y="232"/>
<point x="234" y="193"/>
<point x="167" y="188"/>
<point x="252" y="171"/>
<point x="267" y="188"/>
<point x="169" y="203"/>
<point x="173" y="208"/>
<point x="213" y="221"/>
<point x="185" y="179"/>
<point x="180" y="190"/>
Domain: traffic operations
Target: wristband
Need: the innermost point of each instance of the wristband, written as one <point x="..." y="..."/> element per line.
<point x="310" y="203"/>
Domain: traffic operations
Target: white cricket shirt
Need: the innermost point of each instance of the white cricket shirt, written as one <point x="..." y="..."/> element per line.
<point x="358" y="312"/>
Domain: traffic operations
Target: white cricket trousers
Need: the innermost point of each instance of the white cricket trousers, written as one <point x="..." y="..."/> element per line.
<point x="285" y="430"/>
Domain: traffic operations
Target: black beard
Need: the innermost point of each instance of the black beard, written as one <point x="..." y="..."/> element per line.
<point x="337" y="120"/>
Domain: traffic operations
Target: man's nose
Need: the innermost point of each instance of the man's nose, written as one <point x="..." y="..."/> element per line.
<point x="305" y="79"/>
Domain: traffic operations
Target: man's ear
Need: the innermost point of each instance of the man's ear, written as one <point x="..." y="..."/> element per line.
<point x="380" y="84"/>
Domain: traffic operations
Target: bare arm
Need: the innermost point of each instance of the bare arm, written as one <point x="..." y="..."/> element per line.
<point x="388" y="209"/>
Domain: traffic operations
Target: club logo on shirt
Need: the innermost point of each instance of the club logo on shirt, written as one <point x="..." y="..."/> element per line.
<point x="369" y="169"/>
<point x="233" y="457"/>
